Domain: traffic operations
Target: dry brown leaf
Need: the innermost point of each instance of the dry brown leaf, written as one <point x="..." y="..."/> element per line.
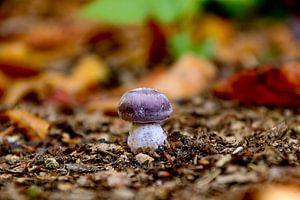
<point x="35" y="127"/>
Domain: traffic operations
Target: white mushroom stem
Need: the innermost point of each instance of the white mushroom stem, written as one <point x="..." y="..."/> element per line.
<point x="146" y="136"/>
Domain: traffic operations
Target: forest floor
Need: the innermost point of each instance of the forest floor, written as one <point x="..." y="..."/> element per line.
<point x="217" y="150"/>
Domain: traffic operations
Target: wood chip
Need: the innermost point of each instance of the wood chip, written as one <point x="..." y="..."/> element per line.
<point x="142" y="158"/>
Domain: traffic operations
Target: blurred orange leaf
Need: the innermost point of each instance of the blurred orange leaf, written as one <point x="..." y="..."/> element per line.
<point x="89" y="72"/>
<point x="17" y="60"/>
<point x="34" y="127"/>
<point x="263" y="85"/>
<point x="4" y="83"/>
<point x="189" y="76"/>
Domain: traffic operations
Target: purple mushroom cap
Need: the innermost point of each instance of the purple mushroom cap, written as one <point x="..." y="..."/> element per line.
<point x="144" y="105"/>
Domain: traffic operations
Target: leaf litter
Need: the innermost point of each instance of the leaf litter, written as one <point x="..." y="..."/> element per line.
<point x="201" y="159"/>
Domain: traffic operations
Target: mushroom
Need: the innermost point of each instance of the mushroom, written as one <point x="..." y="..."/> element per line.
<point x="145" y="108"/>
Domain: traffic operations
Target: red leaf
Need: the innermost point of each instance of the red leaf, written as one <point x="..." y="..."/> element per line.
<point x="18" y="70"/>
<point x="264" y="85"/>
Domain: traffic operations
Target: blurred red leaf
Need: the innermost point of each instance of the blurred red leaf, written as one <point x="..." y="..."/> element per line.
<point x="17" y="70"/>
<point x="265" y="85"/>
<point x="158" y="44"/>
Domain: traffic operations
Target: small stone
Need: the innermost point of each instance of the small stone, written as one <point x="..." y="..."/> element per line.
<point x="237" y="150"/>
<point x="142" y="158"/>
<point x="51" y="163"/>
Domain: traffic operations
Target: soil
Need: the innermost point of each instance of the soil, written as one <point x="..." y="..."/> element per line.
<point x="216" y="150"/>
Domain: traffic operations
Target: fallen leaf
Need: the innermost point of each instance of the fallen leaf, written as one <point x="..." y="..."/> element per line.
<point x="4" y="83"/>
<point x="34" y="127"/>
<point x="189" y="76"/>
<point x="89" y="71"/>
<point x="265" y="85"/>
<point x="17" y="70"/>
<point x="19" y="89"/>
<point x="17" y="60"/>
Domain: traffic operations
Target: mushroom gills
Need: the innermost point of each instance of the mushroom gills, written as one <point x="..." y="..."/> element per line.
<point x="150" y="135"/>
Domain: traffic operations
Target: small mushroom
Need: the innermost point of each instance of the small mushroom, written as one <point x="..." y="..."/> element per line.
<point x="145" y="108"/>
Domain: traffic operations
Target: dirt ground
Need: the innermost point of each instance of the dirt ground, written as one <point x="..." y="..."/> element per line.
<point x="217" y="150"/>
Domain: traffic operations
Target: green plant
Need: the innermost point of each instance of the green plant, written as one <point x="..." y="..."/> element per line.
<point x="139" y="11"/>
<point x="181" y="12"/>
<point x="182" y="42"/>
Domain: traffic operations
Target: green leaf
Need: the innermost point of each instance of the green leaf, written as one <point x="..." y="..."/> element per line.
<point x="206" y="48"/>
<point x="167" y="11"/>
<point x="180" y="43"/>
<point x="238" y="8"/>
<point x="164" y="10"/>
<point x="138" y="11"/>
<point x="118" y="11"/>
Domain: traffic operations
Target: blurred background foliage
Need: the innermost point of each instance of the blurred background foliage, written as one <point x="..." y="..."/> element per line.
<point x="87" y="47"/>
<point x="183" y="12"/>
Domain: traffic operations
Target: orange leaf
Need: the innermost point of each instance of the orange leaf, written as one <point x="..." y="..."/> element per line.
<point x="189" y="76"/>
<point x="18" y="89"/>
<point x="34" y="127"/>
<point x="87" y="73"/>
